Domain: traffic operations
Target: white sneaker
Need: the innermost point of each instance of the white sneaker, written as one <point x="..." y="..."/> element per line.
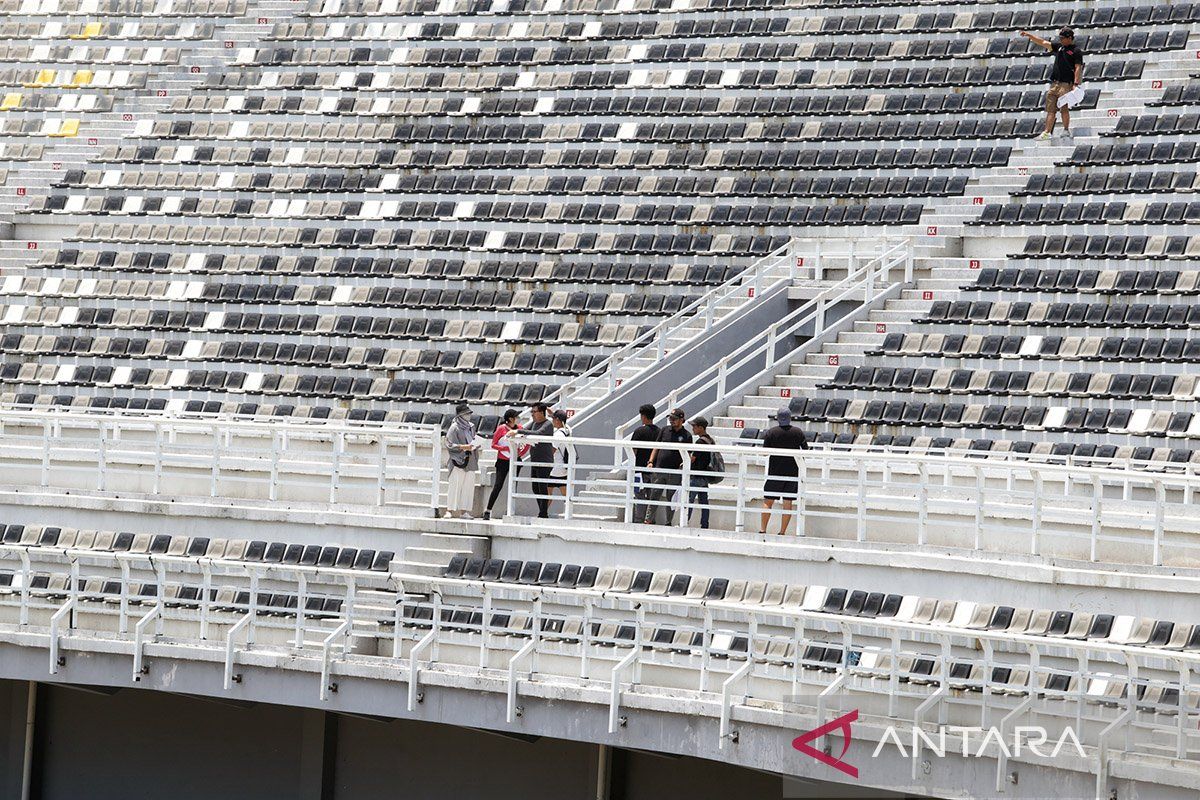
<point x="1043" y="137"/>
<point x="1066" y="135"/>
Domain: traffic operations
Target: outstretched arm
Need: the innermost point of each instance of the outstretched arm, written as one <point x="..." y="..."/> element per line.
<point x="1039" y="41"/>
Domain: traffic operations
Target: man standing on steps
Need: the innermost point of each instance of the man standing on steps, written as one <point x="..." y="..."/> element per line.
<point x="783" y="470"/>
<point x="541" y="457"/>
<point x="1065" y="77"/>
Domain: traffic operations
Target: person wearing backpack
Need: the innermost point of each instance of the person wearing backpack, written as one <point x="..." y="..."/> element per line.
<point x="707" y="468"/>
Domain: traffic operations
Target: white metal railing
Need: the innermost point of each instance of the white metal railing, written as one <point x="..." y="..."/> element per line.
<point x="314" y="461"/>
<point x="877" y="279"/>
<point x="800" y="259"/>
<point x="1004" y="506"/>
<point x="787" y="654"/>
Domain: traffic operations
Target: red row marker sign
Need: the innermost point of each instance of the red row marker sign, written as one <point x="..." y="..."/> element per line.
<point x="973" y="264"/>
<point x="262" y="20"/>
<point x="750" y="292"/>
<point x="161" y="92"/>
<point x="127" y="118"/>
<point x="739" y="423"/>
<point x="228" y="45"/>
<point x="926" y="295"/>
<point x="1022" y="170"/>
<point x="20" y="191"/>
<point x="194" y="70"/>
<point x="785" y="392"/>
<point x="881" y="327"/>
<point x="31" y="245"/>
<point x="56" y="165"/>
<point x="1112" y="112"/>
<point x="799" y="261"/>
<point x="93" y="141"/>
<point x="931" y="230"/>
<point x="976" y="201"/>
<point x="570" y="413"/>
<point x="1155" y="84"/>
<point x="833" y="361"/>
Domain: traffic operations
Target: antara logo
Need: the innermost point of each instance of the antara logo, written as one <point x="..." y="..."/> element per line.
<point x="842" y="723"/>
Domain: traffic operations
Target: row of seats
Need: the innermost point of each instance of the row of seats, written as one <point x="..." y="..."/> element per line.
<point x="1087" y="281"/>
<point x="766" y="186"/>
<point x="336" y="356"/>
<point x="1096" y="213"/>
<point x="255" y="551"/>
<point x="887" y="23"/>
<point x="622" y="76"/>
<point x="122" y="8"/>
<point x="383" y="327"/>
<point x="1106" y="349"/>
<point x="1073" y="183"/>
<point x="456" y="54"/>
<point x="888" y="128"/>
<point x="628" y="303"/>
<point x="1115" y="246"/>
<point x="92" y="54"/>
<point x="1066" y="314"/>
<point x="1054" y="419"/>
<point x="1138" y="457"/>
<point x="33" y="30"/>
<point x="363" y="156"/>
<point x="416" y="390"/>
<point x="969" y="615"/>
<point x="1168" y="151"/>
<point x="487" y="211"/>
<point x="640" y="274"/>
<point x="240" y="408"/>
<point x="997" y="382"/>
<point x="494" y="241"/>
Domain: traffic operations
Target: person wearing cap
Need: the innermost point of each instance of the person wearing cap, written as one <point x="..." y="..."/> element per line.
<point x="501" y="443"/>
<point x="782" y="470"/>
<point x="702" y="464"/>
<point x="665" y="467"/>
<point x="541" y="456"/>
<point x="647" y="434"/>
<point x="463" y="452"/>
<point x="564" y="452"/>
<point x="1065" y="77"/>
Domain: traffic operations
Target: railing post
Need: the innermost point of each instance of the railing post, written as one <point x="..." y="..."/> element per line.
<point x="1035" y="516"/>
<point x="1160" y="493"/>
<point x="436" y="472"/>
<point x="216" y="461"/>
<point x="383" y="467"/>
<point x="102" y="458"/>
<point x="862" y="500"/>
<point x="922" y="502"/>
<point x="685" y="489"/>
<point x="739" y="514"/>
<point x="339" y="445"/>
<point x="631" y="478"/>
<point x="1097" y="495"/>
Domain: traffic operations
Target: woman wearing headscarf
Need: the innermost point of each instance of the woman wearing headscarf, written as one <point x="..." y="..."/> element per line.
<point x="464" y="463"/>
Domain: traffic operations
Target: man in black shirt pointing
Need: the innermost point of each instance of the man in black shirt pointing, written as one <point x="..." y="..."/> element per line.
<point x="1065" y="77"/>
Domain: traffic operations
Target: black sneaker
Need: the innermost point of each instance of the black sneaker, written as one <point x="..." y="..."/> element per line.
<point x="487" y="515"/>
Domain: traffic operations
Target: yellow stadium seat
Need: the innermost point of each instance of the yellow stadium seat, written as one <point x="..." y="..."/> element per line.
<point x="81" y="79"/>
<point x="89" y="30"/>
<point x="12" y="101"/>
<point x="69" y="128"/>
<point x="44" y="78"/>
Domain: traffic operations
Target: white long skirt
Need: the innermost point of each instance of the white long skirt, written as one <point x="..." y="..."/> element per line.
<point x="460" y="495"/>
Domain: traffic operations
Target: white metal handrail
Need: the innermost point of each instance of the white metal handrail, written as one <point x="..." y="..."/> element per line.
<point x="1089" y="513"/>
<point x="782" y="267"/>
<point x="871" y="281"/>
<point x="1032" y="660"/>
<point x="343" y="462"/>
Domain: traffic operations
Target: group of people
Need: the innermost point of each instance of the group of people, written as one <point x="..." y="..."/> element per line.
<point x="548" y="457"/>
<point x="658" y="470"/>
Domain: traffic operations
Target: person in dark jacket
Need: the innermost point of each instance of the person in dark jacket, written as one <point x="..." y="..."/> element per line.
<point x="541" y="457"/>
<point x="647" y="434"/>
<point x="702" y="463"/>
<point x="782" y="470"/>
<point x="666" y="465"/>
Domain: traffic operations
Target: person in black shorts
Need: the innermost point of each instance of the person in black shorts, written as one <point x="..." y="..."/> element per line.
<point x="783" y="469"/>
<point x="1065" y="76"/>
